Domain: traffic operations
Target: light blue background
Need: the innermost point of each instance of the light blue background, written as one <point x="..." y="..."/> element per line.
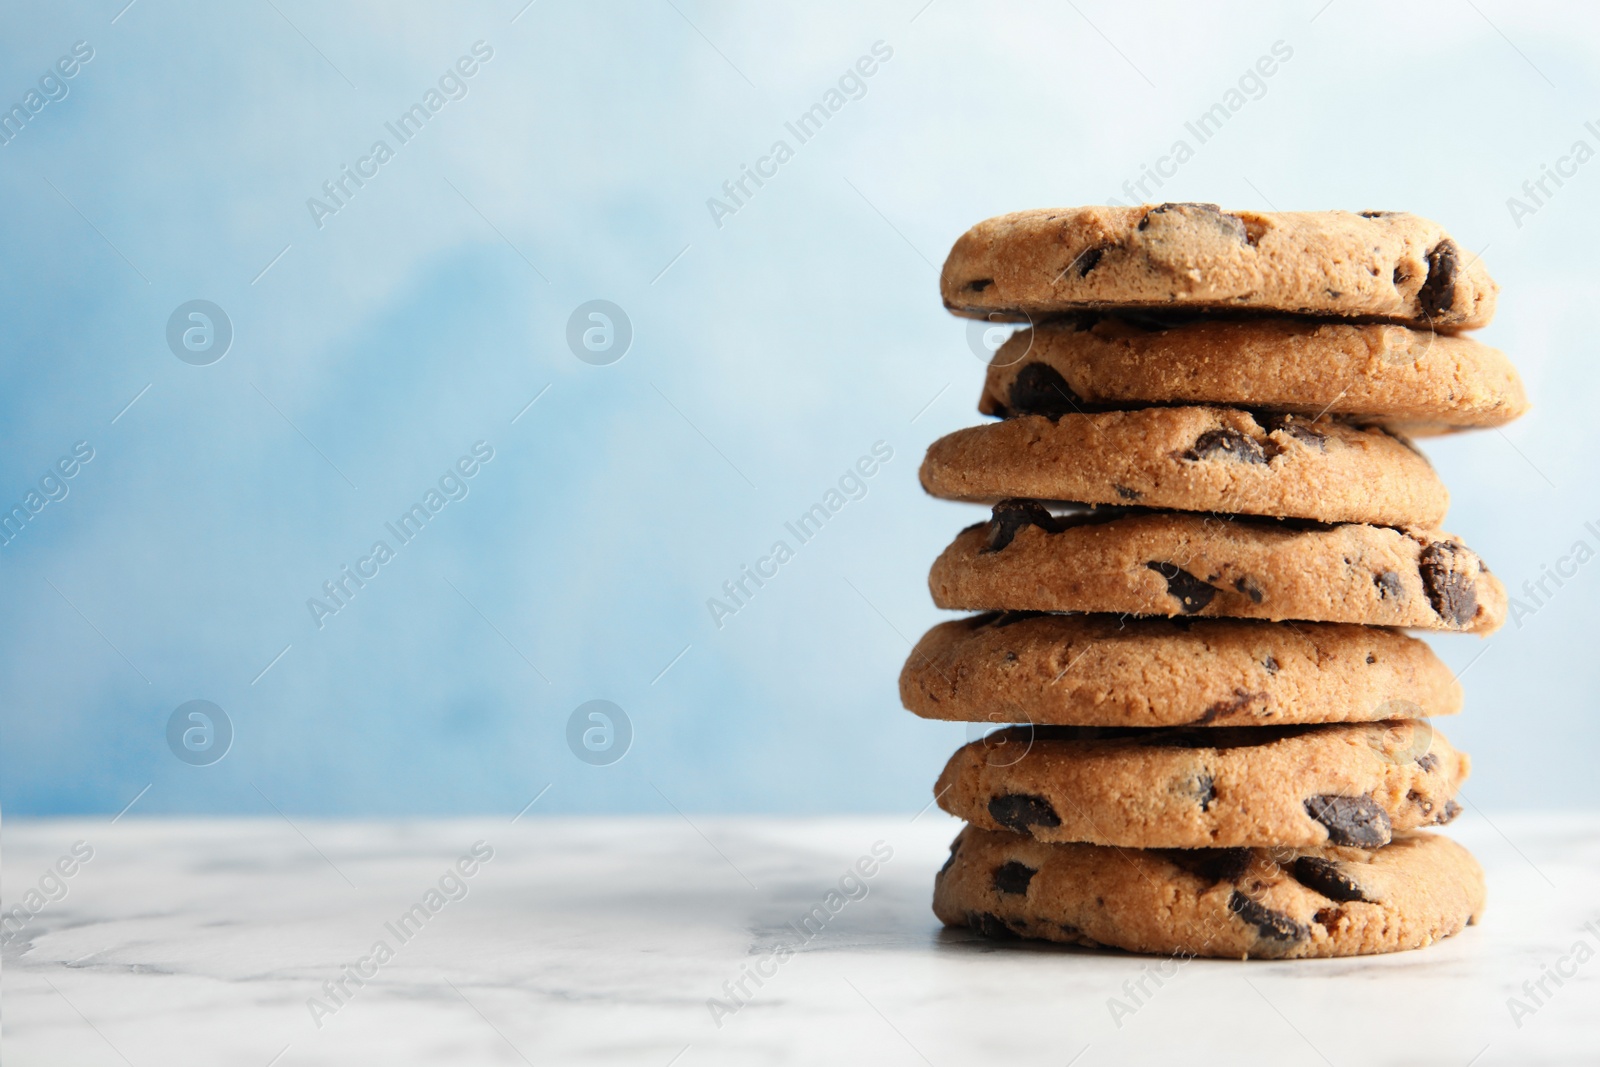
<point x="769" y="356"/>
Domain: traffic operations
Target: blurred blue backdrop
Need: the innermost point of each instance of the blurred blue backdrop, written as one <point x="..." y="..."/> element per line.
<point x="562" y="153"/>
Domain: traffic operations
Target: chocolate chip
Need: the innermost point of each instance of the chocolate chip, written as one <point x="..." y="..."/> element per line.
<point x="991" y="926"/>
<point x="1232" y="225"/>
<point x="1298" y="429"/>
<point x="1213" y="865"/>
<point x="1204" y="789"/>
<point x="1009" y="516"/>
<point x="1270" y="664"/>
<point x="1378" y="214"/>
<point x="1039" y="389"/>
<point x="1438" y="292"/>
<point x="1428" y="762"/>
<point x="1452" y="592"/>
<point x="1389" y="587"/>
<point x="1451" y="810"/>
<point x="979" y="285"/>
<point x="1356" y="821"/>
<point x="1249" y="588"/>
<point x="1242" y="698"/>
<point x="1088" y="260"/>
<point x="1371" y="658"/>
<point x="1327" y="878"/>
<point x="1226" y="443"/>
<point x="1273" y="925"/>
<point x="1125" y="493"/>
<point x="1019" y="811"/>
<point x="1013" y="877"/>
<point x="1192" y="594"/>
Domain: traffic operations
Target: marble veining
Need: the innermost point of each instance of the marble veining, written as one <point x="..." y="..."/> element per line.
<point x="604" y="941"/>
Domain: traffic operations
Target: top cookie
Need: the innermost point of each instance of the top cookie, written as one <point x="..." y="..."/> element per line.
<point x="1384" y="265"/>
<point x="1411" y="382"/>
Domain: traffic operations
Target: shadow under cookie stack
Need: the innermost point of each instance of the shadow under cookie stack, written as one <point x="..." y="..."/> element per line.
<point x="1210" y="529"/>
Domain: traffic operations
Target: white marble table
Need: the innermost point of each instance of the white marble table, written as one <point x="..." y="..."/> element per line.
<point x="601" y="941"/>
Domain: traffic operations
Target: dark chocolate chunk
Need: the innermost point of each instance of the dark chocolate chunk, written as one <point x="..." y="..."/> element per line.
<point x="990" y="925"/>
<point x="1273" y="925"/>
<point x="1012" y="515"/>
<point x="1013" y="877"/>
<point x="1039" y="389"/>
<point x="1428" y="762"/>
<point x="1389" y="587"/>
<point x="1378" y="214"/>
<point x="1438" y="292"/>
<point x="1232" y="225"/>
<point x="1299" y="429"/>
<point x="1226" y="443"/>
<point x="1242" y="698"/>
<point x="1211" y="864"/>
<point x="1355" y="821"/>
<point x="1204" y="788"/>
<point x="1327" y="878"/>
<point x="1451" y="810"/>
<point x="1019" y="811"/>
<point x="1125" y="493"/>
<point x="1192" y="594"/>
<point x="1270" y="664"/>
<point x="1453" y="593"/>
<point x="1088" y="260"/>
<point x="1249" y="588"/>
<point x="978" y="285"/>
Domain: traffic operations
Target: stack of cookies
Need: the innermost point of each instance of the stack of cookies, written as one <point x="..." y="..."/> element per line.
<point x="1210" y="531"/>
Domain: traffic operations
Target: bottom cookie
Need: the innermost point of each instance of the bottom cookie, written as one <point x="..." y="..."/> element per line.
<point x="1279" y="903"/>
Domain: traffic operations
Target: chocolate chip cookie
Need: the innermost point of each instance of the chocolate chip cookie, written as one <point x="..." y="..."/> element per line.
<point x="1101" y="670"/>
<point x="1171" y="563"/>
<point x="1273" y="903"/>
<point x="1411" y="381"/>
<point x="1335" y="783"/>
<point x="1377" y="264"/>
<point x="1193" y="459"/>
